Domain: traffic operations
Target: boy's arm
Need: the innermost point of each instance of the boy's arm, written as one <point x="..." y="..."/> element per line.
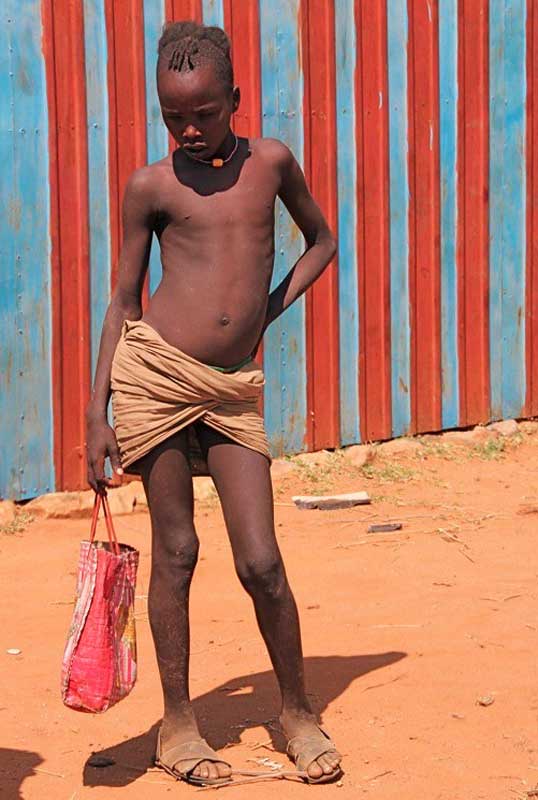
<point x="126" y="303"/>
<point x="320" y="243"/>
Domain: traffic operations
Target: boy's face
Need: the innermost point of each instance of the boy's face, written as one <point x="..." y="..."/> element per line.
<point x="196" y="108"/>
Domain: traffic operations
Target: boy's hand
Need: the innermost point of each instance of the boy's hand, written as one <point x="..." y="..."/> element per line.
<point x="101" y="442"/>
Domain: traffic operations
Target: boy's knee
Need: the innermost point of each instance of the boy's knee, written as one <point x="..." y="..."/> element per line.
<point x="263" y="576"/>
<point x="177" y="555"/>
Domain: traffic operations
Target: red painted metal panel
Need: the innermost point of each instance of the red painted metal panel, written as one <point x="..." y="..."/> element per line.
<point x="114" y="200"/>
<point x="532" y="213"/>
<point x="242" y="24"/>
<point x="64" y="51"/>
<point x="127" y="107"/>
<point x="373" y="206"/>
<point x="317" y="27"/>
<point x="178" y="10"/>
<point x="56" y="345"/>
<point x="473" y="212"/>
<point x="424" y="235"/>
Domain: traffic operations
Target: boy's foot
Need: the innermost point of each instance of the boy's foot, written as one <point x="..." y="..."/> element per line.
<point x="304" y="729"/>
<point x="173" y="735"/>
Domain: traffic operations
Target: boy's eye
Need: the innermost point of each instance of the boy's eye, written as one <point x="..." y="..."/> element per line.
<point x="206" y="114"/>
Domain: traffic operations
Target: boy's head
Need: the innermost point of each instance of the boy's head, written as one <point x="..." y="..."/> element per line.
<point x="196" y="86"/>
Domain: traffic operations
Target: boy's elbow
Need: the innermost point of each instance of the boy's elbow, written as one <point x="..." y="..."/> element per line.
<point x="332" y="246"/>
<point x="326" y="244"/>
<point x="126" y="304"/>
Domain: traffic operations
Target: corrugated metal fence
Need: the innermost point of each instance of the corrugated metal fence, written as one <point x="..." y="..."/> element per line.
<point x="414" y="122"/>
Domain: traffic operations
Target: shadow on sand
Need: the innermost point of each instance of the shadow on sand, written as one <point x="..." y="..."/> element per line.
<point x="241" y="703"/>
<point x="15" y="767"/>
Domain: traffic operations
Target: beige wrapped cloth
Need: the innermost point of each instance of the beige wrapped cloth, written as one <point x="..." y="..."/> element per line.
<point x="157" y="390"/>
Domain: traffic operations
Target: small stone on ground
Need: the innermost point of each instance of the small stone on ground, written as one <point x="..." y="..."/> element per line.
<point x="507" y="427"/>
<point x="317" y="459"/>
<point x="329" y="502"/>
<point x="360" y="454"/>
<point x="281" y="466"/>
<point x="8" y="510"/>
<point x="399" y="447"/>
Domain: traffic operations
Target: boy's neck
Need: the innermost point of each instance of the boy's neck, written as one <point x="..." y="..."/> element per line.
<point x="227" y="146"/>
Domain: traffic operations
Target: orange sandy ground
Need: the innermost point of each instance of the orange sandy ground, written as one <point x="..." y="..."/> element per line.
<point x="402" y="634"/>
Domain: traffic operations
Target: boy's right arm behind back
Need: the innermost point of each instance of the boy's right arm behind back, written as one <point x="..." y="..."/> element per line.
<point x="138" y="213"/>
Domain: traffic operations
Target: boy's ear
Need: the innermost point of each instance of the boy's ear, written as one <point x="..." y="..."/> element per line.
<point x="236" y="98"/>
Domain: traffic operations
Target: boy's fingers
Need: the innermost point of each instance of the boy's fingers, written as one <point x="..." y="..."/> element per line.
<point x="91" y="479"/>
<point x="115" y="459"/>
<point x="98" y="466"/>
<point x="101" y="484"/>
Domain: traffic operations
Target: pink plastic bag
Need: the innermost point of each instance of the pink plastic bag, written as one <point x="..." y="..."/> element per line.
<point x="99" y="663"/>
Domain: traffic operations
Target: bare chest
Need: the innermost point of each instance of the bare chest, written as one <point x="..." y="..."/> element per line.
<point x="219" y="199"/>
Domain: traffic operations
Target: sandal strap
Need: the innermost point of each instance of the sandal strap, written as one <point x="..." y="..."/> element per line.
<point x="304" y="750"/>
<point x="186" y="756"/>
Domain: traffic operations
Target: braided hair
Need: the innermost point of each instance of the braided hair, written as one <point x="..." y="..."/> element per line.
<point x="186" y="45"/>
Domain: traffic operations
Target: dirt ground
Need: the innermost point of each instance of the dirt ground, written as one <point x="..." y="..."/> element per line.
<point x="404" y="634"/>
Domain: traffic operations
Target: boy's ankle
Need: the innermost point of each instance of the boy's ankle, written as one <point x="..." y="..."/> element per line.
<point x="179" y="718"/>
<point x="297" y="712"/>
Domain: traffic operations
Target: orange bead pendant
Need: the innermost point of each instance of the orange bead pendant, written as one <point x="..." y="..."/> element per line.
<point x="217" y="162"/>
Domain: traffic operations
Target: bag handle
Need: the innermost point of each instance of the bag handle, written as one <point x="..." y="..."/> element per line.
<point x="112" y="538"/>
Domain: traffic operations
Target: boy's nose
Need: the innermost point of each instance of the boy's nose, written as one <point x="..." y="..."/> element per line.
<point x="191" y="132"/>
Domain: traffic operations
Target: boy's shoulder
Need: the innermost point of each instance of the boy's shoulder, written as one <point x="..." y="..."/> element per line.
<point x="144" y="180"/>
<point x="272" y="150"/>
<point x="149" y="172"/>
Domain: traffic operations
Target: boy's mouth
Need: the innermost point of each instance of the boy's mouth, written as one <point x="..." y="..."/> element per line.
<point x="195" y="148"/>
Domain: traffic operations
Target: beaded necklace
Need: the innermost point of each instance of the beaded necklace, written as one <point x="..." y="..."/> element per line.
<point x="216" y="162"/>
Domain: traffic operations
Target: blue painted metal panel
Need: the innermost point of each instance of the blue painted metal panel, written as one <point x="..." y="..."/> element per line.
<point x="213" y="12"/>
<point x="448" y="146"/>
<point x="397" y="35"/>
<point x="285" y="340"/>
<point x="348" y="292"/>
<point x="26" y="465"/>
<point x="507" y="63"/>
<point x="95" y="42"/>
<point x="156" y="132"/>
<point x="9" y="220"/>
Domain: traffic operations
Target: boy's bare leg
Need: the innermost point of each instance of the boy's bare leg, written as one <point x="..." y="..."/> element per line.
<point x="168" y="485"/>
<point x="243" y="481"/>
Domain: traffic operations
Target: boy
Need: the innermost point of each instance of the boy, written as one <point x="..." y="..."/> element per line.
<point x="182" y="375"/>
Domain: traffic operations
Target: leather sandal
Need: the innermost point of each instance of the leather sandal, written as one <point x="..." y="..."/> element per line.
<point x="181" y="760"/>
<point x="304" y="750"/>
